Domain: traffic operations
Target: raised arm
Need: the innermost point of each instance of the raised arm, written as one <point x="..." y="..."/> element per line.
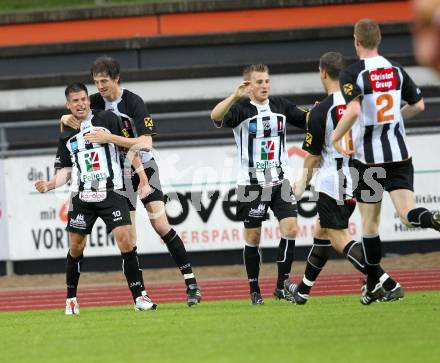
<point x="222" y="108"/>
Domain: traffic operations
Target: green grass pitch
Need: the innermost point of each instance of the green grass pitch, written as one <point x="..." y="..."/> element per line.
<point x="327" y="329"/>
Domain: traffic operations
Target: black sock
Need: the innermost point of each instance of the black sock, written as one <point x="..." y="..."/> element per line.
<point x="251" y="256"/>
<point x="130" y="267"/>
<point x="73" y="271"/>
<point x="141" y="275"/>
<point x="180" y="256"/>
<point x="355" y="254"/>
<point x="373" y="255"/>
<point x="387" y="282"/>
<point x="316" y="260"/>
<point x="420" y="217"/>
<point x="284" y="260"/>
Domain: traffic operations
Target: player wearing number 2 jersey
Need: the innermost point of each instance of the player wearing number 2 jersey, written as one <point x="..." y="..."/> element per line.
<point x="259" y="125"/>
<point x="373" y="88"/>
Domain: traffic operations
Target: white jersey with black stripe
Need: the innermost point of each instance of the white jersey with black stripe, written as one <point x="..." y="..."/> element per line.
<point x="333" y="176"/>
<point x="379" y="134"/>
<point x="95" y="167"/>
<point x="260" y="135"/>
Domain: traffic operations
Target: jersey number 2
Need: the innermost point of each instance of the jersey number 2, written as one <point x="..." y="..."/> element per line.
<point x="387" y="101"/>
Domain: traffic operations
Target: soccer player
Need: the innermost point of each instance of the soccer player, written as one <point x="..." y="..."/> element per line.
<point x="333" y="182"/>
<point x="373" y="88"/>
<point x="259" y="125"/>
<point x="138" y="124"/>
<point x="96" y="184"/>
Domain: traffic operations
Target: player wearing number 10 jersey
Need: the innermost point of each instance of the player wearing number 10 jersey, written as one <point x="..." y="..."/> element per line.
<point x="373" y="88"/>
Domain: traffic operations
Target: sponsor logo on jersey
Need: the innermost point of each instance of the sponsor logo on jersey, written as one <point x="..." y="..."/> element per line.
<point x="267" y="150"/>
<point x="148" y="122"/>
<point x="384" y="79"/>
<point x="92" y="161"/>
<point x="340" y="109"/>
<point x="308" y="139"/>
<point x="347" y="89"/>
<point x="94" y="171"/>
<point x="92" y="196"/>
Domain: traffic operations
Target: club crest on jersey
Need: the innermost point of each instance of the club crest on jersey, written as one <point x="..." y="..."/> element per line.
<point x="252" y="128"/>
<point x="148" y="122"/>
<point x="266" y="124"/>
<point x="348" y="89"/>
<point x="125" y="133"/>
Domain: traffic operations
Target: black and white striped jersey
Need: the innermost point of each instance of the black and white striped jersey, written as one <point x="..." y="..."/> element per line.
<point x="134" y="115"/>
<point x="333" y="176"/>
<point x="379" y="134"/>
<point x="260" y="135"/>
<point x="95" y="167"/>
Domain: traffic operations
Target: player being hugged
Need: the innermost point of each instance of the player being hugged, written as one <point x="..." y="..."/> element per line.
<point x="96" y="176"/>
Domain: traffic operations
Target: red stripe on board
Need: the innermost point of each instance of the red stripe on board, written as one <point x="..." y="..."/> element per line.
<point x="212" y="290"/>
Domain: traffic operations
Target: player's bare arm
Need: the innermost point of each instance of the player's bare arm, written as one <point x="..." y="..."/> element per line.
<point x="346" y="123"/>
<point x="101" y="136"/>
<point x="70" y="120"/>
<point x="61" y="177"/>
<point x="222" y="108"/>
<point x="409" y="111"/>
<point x="311" y="163"/>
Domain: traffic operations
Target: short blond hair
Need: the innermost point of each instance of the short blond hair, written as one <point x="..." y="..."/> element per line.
<point x="367" y="33"/>
<point x="254" y="68"/>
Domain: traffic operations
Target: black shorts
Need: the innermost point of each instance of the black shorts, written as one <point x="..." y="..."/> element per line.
<point x="374" y="179"/>
<point x="113" y="211"/>
<point x="333" y="215"/>
<point x="152" y="170"/>
<point x="253" y="201"/>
